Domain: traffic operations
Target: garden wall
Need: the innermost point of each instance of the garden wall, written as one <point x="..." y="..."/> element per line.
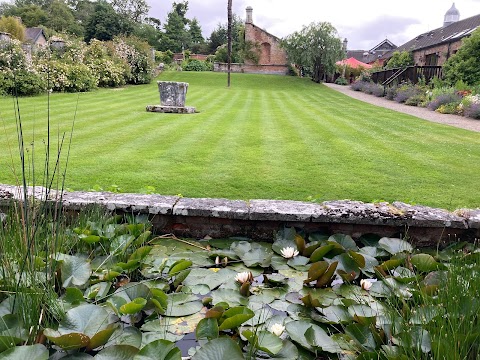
<point x="252" y="69"/>
<point x="260" y="219"/>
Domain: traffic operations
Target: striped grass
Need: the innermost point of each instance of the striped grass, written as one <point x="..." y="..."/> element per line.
<point x="265" y="137"/>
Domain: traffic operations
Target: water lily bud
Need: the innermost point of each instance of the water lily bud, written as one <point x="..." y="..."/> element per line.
<point x="244" y="277"/>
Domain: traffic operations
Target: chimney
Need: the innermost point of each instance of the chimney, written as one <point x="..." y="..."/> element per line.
<point x="249" y="19"/>
<point x="344" y="47"/>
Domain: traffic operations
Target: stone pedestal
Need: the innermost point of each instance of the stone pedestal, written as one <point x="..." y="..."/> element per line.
<point x="172" y="98"/>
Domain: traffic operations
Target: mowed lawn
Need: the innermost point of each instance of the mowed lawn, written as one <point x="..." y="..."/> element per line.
<point x="266" y="137"/>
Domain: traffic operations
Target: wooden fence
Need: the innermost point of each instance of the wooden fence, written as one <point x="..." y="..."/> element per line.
<point x="411" y="74"/>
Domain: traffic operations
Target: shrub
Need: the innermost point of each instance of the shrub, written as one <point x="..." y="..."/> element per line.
<point x="444" y="99"/>
<point x="359" y="85"/>
<point x="416" y="100"/>
<point x="341" y="81"/>
<point x="374" y="89"/>
<point x="472" y="111"/>
<point x="195" y="65"/>
<point x="391" y="92"/>
<point x="405" y="92"/>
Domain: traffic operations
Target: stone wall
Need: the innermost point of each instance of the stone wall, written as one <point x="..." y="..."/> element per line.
<point x="260" y="219"/>
<point x="252" y="69"/>
<point x="443" y="51"/>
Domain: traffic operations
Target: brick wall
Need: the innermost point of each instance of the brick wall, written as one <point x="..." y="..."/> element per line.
<point x="252" y="69"/>
<point x="270" y="51"/>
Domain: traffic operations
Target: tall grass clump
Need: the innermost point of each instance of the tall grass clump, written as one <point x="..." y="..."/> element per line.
<point x="33" y="232"/>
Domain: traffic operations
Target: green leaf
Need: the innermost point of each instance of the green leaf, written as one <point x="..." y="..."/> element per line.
<point x="30" y="352"/>
<point x="117" y="352"/>
<point x="395" y="246"/>
<point x="219" y="349"/>
<point x="337" y="314"/>
<point x="90" y="239"/>
<point x="179" y="266"/>
<point x="362" y="336"/>
<point x="236" y="316"/>
<point x="264" y="340"/>
<point x="159" y="350"/>
<point x="426" y="263"/>
<point x="69" y="341"/>
<point x="134" y="306"/>
<point x="320" y="252"/>
<point x="207" y="328"/>
<point x="73" y="296"/>
<point x="345" y="240"/>
<point x="319" y="339"/>
<point x="75" y="271"/>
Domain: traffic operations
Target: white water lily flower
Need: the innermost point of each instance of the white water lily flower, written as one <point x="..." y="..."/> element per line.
<point x="366" y="284"/>
<point x="243" y="277"/>
<point x="289" y="252"/>
<point x="277" y="329"/>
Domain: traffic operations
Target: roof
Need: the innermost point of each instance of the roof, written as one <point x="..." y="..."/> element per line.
<point x="32" y="34"/>
<point x="450" y="33"/>
<point x="353" y="63"/>
<point x="370" y="56"/>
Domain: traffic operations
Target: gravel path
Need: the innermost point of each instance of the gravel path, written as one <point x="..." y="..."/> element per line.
<point x="422" y="113"/>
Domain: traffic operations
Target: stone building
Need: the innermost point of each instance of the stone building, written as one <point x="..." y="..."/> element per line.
<point x="436" y="46"/>
<point x="372" y="55"/>
<point x="272" y="58"/>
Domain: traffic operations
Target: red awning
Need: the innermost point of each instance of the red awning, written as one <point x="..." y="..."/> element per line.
<point x="353" y="63"/>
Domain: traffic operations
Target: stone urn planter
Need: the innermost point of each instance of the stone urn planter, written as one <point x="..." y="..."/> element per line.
<point x="172" y="98"/>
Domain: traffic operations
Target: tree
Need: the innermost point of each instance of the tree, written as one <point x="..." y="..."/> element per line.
<point x="13" y="26"/>
<point x="176" y="37"/>
<point x="104" y="24"/>
<point x="195" y="34"/>
<point x="135" y="10"/>
<point x="317" y="47"/>
<point x="149" y="33"/>
<point x="60" y="17"/>
<point x="31" y="15"/>
<point x="400" y="60"/>
<point x="219" y="37"/>
<point x="465" y="65"/>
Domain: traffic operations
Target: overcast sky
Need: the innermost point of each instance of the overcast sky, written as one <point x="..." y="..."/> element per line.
<point x="364" y="23"/>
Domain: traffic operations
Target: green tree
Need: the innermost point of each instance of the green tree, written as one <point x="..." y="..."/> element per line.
<point x="31" y="15"/>
<point x="60" y="17"/>
<point x="316" y="47"/>
<point x="400" y="60"/>
<point x="104" y="24"/>
<point x="13" y="26"/>
<point x="176" y="37"/>
<point x="149" y="33"/>
<point x="135" y="10"/>
<point x="218" y="38"/>
<point x="196" y="38"/>
<point x="465" y="64"/>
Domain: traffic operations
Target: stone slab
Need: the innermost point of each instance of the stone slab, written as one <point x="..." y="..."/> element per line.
<point x="281" y="210"/>
<point x="217" y="208"/>
<point x="424" y="216"/>
<point x="171" y="109"/>
<point x="472" y="217"/>
<point x="141" y="203"/>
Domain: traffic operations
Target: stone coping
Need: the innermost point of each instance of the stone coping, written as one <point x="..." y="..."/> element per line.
<point x="341" y="212"/>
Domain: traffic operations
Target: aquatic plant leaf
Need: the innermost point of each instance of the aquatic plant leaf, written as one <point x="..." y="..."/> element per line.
<point x="30" y="352"/>
<point x="395" y="246"/>
<point x="101" y="337"/>
<point x="133" y="306"/>
<point x="159" y="350"/>
<point x="75" y="271"/>
<point x="73" y="296"/>
<point x="184" y="309"/>
<point x="207" y="328"/>
<point x="362" y="336"/>
<point x="345" y="240"/>
<point x="316" y="270"/>
<point x="321" y="252"/>
<point x="90" y="239"/>
<point x="336" y="314"/>
<point x="126" y="336"/>
<point x="235" y="316"/>
<point x="69" y="341"/>
<point x="426" y="263"/>
<point x="219" y="349"/>
<point x="264" y="340"/>
<point x="179" y="266"/>
<point x="117" y="352"/>
<point x="298" y="263"/>
<point x="319" y="339"/>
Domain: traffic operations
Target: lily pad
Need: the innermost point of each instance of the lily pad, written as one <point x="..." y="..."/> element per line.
<point x="395" y="246"/>
<point x="219" y="349"/>
<point x="264" y="340"/>
<point x="76" y="271"/>
<point x="30" y="352"/>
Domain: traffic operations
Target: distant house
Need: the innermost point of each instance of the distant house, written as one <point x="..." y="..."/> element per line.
<point x="35" y="37"/>
<point x="272" y="57"/>
<point x="370" y="56"/>
<point x="435" y="47"/>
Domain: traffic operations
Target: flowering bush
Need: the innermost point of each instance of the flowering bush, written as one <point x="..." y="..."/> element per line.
<point x="472" y="110"/>
<point x="406" y="92"/>
<point x="359" y="85"/>
<point x="136" y="54"/>
<point x="66" y="77"/>
<point x="196" y="65"/>
<point x="443" y="99"/>
<point x="18" y="74"/>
